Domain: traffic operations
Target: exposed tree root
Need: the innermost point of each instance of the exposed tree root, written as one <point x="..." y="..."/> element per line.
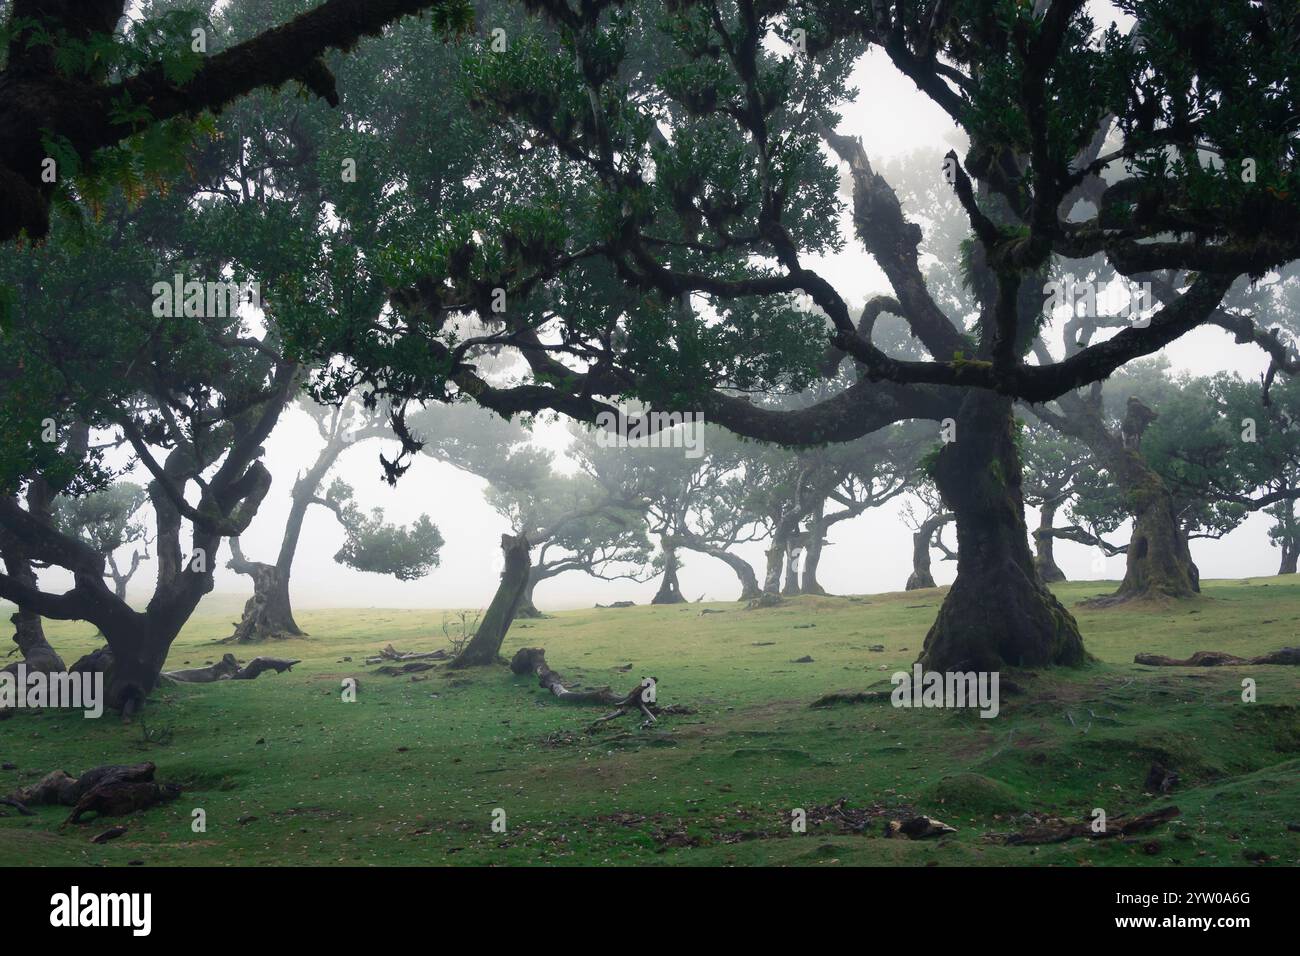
<point x="17" y="805"/>
<point x="1059" y="833"/>
<point x="1287" y="655"/>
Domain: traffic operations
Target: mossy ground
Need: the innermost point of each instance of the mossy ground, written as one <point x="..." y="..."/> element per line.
<point x="411" y="772"/>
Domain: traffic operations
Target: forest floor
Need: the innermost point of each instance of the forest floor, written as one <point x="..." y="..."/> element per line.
<point x="411" y="772"/>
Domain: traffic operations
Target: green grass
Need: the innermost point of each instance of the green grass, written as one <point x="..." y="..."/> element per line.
<point x="327" y="782"/>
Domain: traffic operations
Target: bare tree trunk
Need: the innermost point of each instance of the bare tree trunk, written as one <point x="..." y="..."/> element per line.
<point x="813" y="551"/>
<point x="921" y="577"/>
<point x="669" y="590"/>
<point x="1044" y="544"/>
<point x="527" y="609"/>
<point x="775" y="562"/>
<point x="998" y="612"/>
<point x="485" y="646"/>
<point x="791" y="586"/>
<point x="922" y="539"/>
<point x="1286" y="532"/>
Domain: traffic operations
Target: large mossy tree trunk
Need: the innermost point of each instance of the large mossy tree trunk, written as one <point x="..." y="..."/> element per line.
<point x="139" y="650"/>
<point x="1290" y="552"/>
<point x="485" y="646"/>
<point x="670" y="591"/>
<point x="998" y="612"/>
<point x="1159" y="562"/>
<point x="1045" y="544"/>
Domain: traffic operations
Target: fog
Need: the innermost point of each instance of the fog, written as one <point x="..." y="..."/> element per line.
<point x="868" y="554"/>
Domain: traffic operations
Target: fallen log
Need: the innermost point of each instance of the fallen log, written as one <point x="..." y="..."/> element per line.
<point x="117" y="797"/>
<point x="1068" y="831"/>
<point x="391" y="653"/>
<point x="918" y="828"/>
<point x="396" y="670"/>
<point x="112" y="833"/>
<point x="226" y="667"/>
<point x="60" y="787"/>
<point x="229" y="669"/>
<point x="532" y="660"/>
<point x="1285" y="656"/>
<point x="260" y="665"/>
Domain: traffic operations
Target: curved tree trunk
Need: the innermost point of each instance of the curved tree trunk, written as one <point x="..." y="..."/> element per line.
<point x="1044" y="544"/>
<point x="485" y="646"/>
<point x="268" y="614"/>
<point x="1159" y="563"/>
<point x="998" y="612"/>
<point x="1290" y="552"/>
<point x="749" y="588"/>
<point x="921" y="576"/>
<point x="669" y="590"/>
<point x="29" y="631"/>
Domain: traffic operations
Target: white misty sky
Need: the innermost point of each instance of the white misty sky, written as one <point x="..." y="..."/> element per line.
<point x="868" y="554"/>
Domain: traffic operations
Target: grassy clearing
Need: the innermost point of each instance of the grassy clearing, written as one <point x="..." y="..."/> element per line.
<point x="410" y="773"/>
